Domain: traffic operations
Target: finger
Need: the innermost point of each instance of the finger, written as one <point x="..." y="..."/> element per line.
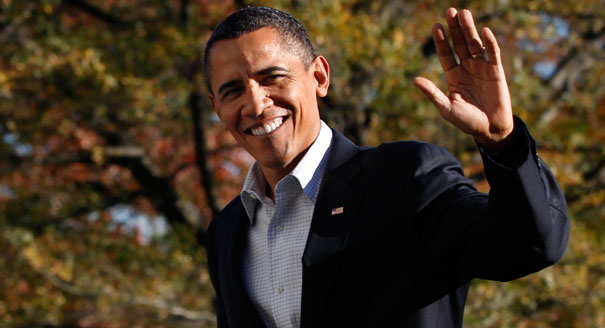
<point x="457" y="36"/>
<point x="491" y="45"/>
<point x="435" y="95"/>
<point x="446" y="56"/>
<point x="471" y="36"/>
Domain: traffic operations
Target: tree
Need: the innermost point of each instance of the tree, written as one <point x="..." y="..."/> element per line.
<point x="100" y="106"/>
<point x="112" y="162"/>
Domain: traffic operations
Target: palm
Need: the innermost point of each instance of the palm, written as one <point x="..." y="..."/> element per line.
<point x="478" y="101"/>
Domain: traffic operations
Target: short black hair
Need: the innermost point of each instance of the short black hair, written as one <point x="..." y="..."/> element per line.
<point x="250" y="19"/>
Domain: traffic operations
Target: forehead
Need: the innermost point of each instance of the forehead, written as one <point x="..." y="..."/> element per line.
<point x="247" y="54"/>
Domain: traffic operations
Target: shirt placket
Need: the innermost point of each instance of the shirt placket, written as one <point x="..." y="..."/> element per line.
<point x="282" y="272"/>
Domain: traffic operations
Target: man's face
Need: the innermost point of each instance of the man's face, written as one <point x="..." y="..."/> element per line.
<point x="266" y="97"/>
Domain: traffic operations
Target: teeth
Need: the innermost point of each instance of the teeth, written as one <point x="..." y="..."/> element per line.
<point x="268" y="127"/>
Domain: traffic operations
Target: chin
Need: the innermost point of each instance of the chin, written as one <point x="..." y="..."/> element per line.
<point x="276" y="160"/>
<point x="274" y="163"/>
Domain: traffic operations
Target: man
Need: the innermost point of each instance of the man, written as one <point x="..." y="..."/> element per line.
<point x="328" y="234"/>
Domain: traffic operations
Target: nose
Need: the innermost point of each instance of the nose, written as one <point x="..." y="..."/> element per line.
<point x="257" y="100"/>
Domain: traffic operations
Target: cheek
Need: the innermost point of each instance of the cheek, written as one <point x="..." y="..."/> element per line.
<point x="229" y="118"/>
<point x="294" y="91"/>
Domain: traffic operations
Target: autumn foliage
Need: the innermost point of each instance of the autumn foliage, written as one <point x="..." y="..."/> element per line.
<point x="113" y="163"/>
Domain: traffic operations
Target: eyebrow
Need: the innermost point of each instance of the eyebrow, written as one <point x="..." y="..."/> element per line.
<point x="263" y="71"/>
<point x="227" y="85"/>
<point x="271" y="69"/>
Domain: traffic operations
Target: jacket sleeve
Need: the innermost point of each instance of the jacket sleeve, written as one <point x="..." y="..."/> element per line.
<point x="520" y="228"/>
<point x="530" y="186"/>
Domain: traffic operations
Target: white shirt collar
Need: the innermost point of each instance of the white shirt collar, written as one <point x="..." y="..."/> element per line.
<point x="308" y="164"/>
<point x="256" y="184"/>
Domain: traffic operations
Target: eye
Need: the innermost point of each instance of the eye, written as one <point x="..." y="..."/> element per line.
<point x="273" y="78"/>
<point x="231" y="92"/>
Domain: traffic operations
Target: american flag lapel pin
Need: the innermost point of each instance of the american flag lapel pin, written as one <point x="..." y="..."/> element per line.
<point x="337" y="210"/>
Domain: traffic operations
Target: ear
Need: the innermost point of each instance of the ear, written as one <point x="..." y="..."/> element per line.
<point x="321" y="72"/>
<point x="211" y="97"/>
<point x="218" y="113"/>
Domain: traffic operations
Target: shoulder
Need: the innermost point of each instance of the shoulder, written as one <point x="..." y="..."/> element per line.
<point x="410" y="154"/>
<point x="227" y="217"/>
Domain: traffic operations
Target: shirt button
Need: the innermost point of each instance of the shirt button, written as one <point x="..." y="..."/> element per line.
<point x="279" y="290"/>
<point x="279" y="228"/>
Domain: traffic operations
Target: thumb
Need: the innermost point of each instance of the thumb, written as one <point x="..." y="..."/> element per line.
<point x="435" y="95"/>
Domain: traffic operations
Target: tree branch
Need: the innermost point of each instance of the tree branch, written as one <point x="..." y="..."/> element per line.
<point x="158" y="304"/>
<point x="156" y="187"/>
<point x="201" y="152"/>
<point x="573" y="63"/>
<point x="594" y="180"/>
<point x="183" y="15"/>
<point x="16" y="21"/>
<point x="112" y="21"/>
<point x="175" y="310"/>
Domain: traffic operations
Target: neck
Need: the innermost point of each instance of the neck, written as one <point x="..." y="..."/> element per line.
<point x="273" y="175"/>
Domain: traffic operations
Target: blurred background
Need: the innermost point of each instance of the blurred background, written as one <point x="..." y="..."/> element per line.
<point x="113" y="163"/>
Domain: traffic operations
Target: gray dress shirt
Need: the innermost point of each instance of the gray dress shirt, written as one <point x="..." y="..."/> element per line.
<point x="272" y="267"/>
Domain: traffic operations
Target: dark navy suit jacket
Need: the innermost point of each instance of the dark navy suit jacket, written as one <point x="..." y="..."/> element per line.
<point x="413" y="233"/>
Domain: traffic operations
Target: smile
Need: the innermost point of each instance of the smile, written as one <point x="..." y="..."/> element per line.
<point x="268" y="127"/>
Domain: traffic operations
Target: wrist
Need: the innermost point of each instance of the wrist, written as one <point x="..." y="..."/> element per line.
<point x="516" y="149"/>
<point x="498" y="143"/>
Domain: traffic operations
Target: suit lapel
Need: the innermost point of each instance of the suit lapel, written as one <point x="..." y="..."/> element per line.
<point x="335" y="208"/>
<point x="335" y="204"/>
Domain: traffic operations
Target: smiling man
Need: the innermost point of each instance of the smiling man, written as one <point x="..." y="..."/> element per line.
<point x="328" y="234"/>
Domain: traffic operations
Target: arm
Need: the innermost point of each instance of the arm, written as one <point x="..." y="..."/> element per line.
<point x="522" y="226"/>
<point x="523" y="192"/>
<point x="221" y="316"/>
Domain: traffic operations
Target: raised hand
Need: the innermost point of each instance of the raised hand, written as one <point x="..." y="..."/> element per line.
<point x="478" y="102"/>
